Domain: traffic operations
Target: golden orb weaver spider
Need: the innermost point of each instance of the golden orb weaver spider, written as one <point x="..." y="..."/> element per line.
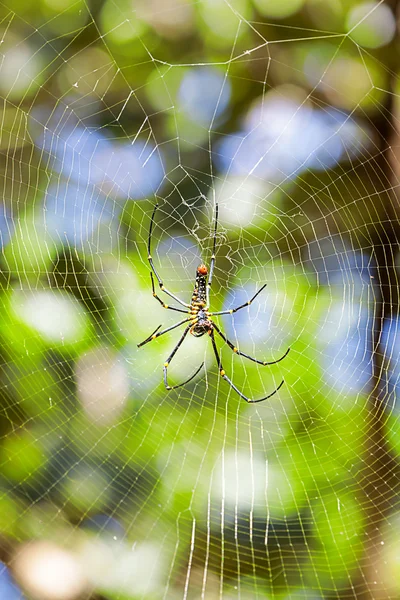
<point x="199" y="319"/>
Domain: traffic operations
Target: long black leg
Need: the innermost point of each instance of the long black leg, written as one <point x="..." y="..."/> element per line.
<point x="212" y="263"/>
<point x="224" y="376"/>
<point x="153" y="267"/>
<point x="161" y="302"/>
<point x="155" y="335"/>
<point x="170" y="357"/>
<point x="233" y="310"/>
<point x="236" y="351"/>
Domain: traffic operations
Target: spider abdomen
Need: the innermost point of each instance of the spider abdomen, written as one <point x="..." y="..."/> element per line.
<point x="200" y="288"/>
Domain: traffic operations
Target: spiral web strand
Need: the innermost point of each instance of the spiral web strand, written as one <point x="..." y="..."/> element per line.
<point x="122" y="489"/>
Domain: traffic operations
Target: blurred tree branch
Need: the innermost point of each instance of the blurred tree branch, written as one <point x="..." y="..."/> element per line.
<point x="381" y="474"/>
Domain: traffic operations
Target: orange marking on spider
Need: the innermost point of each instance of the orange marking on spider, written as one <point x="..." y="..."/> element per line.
<point x="202" y="269"/>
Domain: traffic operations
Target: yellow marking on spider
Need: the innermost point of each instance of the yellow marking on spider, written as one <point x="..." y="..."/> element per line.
<point x="161" y="287"/>
<point x="165" y="305"/>
<point x="154" y="294"/>
<point x="153" y="337"/>
<point x="231" y="310"/>
<point x="149" y="257"/>
<point x="166" y="364"/>
<point x="222" y="373"/>
<point x="234" y="349"/>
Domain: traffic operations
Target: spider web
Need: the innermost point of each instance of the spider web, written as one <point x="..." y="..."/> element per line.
<point x="286" y="116"/>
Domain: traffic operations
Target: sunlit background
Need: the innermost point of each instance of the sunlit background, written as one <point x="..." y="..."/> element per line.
<point x="285" y="113"/>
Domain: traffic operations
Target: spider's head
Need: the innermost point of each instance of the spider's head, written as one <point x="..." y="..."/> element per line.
<point x="202" y="271"/>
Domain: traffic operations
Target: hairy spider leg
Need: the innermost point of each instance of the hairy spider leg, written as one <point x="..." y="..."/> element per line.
<point x="149" y="257"/>
<point x="212" y="262"/>
<point x="170" y="357"/>
<point x="224" y="376"/>
<point x="237" y="351"/>
<point x="155" y="335"/>
<point x="233" y="310"/>
<point x="160" y="301"/>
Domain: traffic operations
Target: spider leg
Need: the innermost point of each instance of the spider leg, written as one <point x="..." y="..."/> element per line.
<point x="233" y="386"/>
<point x="212" y="263"/>
<point x="157" y="334"/>
<point x="170" y="357"/>
<point x="233" y="310"/>
<point x="160" y="301"/>
<point x="236" y="351"/>
<point x="150" y="259"/>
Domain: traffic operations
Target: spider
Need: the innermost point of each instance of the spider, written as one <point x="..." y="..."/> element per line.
<point x="199" y="321"/>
